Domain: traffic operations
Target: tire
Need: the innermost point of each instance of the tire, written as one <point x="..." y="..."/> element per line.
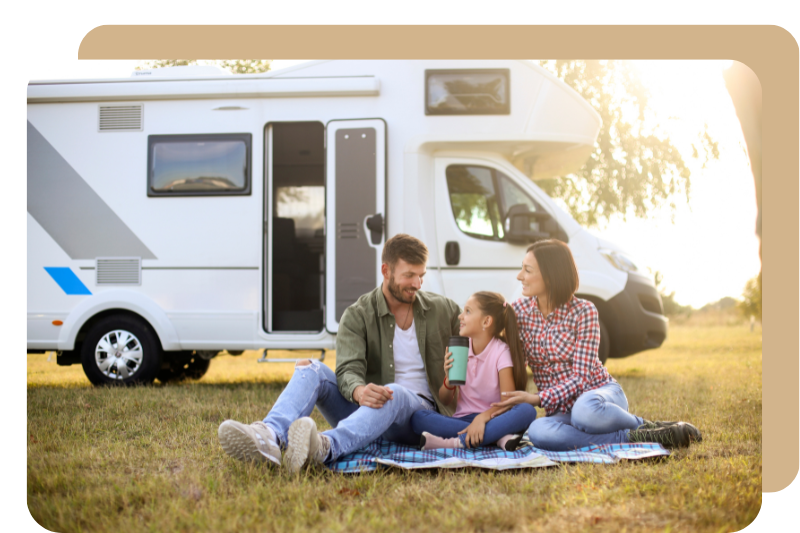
<point x="605" y="344"/>
<point x="121" y="350"/>
<point x="185" y="365"/>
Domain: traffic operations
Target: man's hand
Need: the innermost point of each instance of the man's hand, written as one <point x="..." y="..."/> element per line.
<point x="510" y="399"/>
<point x="372" y="395"/>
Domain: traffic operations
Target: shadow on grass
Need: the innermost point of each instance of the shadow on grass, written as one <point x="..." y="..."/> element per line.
<point x="274" y="384"/>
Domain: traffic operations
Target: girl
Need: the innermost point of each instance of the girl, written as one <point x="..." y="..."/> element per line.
<point x="561" y="336"/>
<point x="496" y="364"/>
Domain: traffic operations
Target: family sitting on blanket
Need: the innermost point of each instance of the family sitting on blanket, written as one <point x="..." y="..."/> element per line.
<point x="390" y="352"/>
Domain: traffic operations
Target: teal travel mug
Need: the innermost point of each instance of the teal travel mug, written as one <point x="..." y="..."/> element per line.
<point x="459" y="347"/>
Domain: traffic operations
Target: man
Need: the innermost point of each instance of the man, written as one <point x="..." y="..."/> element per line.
<point x="389" y="363"/>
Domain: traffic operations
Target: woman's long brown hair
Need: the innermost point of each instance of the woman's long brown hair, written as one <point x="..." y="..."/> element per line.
<point x="505" y="329"/>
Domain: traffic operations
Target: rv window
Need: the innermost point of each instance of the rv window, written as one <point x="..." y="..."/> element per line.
<point x="467" y="92"/>
<point x="198" y="165"/>
<point x="474" y="201"/>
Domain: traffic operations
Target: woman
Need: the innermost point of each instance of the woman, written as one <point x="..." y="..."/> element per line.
<point x="561" y="336"/>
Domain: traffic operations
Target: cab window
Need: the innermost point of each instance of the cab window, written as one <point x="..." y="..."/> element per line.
<point x="481" y="198"/>
<point x="474" y="200"/>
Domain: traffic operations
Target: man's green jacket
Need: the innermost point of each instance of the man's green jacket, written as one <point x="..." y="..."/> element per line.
<point x="364" y="341"/>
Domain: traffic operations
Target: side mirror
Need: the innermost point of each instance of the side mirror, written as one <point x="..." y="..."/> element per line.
<point x="523" y="226"/>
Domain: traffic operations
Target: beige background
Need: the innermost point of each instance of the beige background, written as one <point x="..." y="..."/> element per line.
<point x="771" y="52"/>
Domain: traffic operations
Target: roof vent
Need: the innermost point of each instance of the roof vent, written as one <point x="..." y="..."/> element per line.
<point x="121" y="117"/>
<point x="119" y="271"/>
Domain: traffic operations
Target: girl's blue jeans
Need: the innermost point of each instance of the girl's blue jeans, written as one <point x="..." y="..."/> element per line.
<point x="599" y="416"/>
<point x="515" y="420"/>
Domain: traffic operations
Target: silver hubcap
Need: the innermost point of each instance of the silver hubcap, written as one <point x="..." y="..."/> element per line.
<point x="118" y="354"/>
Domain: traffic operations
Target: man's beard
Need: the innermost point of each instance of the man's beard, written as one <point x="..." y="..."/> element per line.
<point x="397" y="293"/>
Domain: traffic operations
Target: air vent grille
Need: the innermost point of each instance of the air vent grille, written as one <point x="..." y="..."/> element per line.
<point x="121" y="117"/>
<point x="119" y="271"/>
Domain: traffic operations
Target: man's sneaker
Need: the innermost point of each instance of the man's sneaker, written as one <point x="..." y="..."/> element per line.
<point x="655" y="424"/>
<point x="305" y="445"/>
<point x="677" y="435"/>
<point x="249" y="443"/>
<point x="693" y="431"/>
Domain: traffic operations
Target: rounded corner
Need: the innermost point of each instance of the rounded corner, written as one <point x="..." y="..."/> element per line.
<point x="28" y="507"/>
<point x="89" y="42"/>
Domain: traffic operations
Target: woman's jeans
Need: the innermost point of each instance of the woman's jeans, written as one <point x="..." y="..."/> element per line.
<point x="515" y="420"/>
<point x="599" y="416"/>
<point x="354" y="426"/>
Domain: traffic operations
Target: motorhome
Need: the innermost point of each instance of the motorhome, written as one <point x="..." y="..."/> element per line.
<point x="185" y="211"/>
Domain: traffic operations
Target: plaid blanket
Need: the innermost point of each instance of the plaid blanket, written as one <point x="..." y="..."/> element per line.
<point x="391" y="454"/>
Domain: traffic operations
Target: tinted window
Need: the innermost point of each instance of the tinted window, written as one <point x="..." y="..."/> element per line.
<point x="196" y="165"/>
<point x="467" y="92"/>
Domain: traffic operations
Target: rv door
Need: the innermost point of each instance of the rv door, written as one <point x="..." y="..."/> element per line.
<point x="355" y="220"/>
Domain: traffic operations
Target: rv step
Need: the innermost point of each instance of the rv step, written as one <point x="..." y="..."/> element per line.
<point x="263" y="358"/>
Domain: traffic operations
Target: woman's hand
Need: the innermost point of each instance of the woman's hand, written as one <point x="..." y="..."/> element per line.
<point x="448" y="363"/>
<point x="474" y="432"/>
<point x="510" y="399"/>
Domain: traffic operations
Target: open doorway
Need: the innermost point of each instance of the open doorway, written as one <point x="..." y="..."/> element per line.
<point x="298" y="220"/>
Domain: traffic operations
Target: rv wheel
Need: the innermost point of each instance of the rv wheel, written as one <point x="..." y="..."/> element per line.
<point x="120" y="350"/>
<point x="605" y="344"/>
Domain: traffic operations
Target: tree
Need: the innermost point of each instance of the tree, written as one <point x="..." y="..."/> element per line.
<point x="234" y="66"/>
<point x="750" y="305"/>
<point x="634" y="167"/>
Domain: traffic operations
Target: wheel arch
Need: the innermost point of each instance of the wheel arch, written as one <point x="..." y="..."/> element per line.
<point x="108" y="303"/>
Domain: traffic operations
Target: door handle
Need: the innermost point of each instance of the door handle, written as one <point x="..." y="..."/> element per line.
<point x="452" y="253"/>
<point x="374" y="224"/>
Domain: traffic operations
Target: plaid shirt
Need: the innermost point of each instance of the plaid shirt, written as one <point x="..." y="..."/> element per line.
<point x="562" y="351"/>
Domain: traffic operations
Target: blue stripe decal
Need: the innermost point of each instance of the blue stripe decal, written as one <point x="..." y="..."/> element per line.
<point x="67" y="280"/>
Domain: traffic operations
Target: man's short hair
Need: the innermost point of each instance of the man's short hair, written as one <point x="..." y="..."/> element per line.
<point x="402" y="246"/>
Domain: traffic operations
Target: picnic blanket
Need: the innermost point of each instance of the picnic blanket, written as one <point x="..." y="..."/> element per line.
<point x="389" y="454"/>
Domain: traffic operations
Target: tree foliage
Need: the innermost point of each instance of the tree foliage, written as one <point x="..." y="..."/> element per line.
<point x="234" y="66"/>
<point x="750" y="305"/>
<point x="634" y="167"/>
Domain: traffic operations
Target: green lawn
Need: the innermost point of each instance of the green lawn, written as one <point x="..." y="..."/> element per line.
<point x="148" y="458"/>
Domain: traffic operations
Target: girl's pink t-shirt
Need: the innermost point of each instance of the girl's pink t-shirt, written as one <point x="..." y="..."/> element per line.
<point x="483" y="383"/>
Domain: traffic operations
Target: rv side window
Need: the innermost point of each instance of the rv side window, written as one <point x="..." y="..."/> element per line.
<point x="467" y="92"/>
<point x="198" y="165"/>
<point x="481" y="198"/>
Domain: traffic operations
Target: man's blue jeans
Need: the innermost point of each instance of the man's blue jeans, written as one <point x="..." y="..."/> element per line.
<point x="515" y="420"/>
<point x="599" y="416"/>
<point x="354" y="426"/>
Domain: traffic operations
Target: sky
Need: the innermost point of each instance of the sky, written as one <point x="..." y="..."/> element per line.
<point x="710" y="250"/>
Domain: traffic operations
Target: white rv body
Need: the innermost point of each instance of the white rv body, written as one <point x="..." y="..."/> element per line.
<point x="203" y="270"/>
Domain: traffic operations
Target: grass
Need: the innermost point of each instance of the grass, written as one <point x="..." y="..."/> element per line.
<point x="148" y="459"/>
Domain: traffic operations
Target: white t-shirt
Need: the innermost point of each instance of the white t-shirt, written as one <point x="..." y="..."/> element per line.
<point x="409" y="371"/>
